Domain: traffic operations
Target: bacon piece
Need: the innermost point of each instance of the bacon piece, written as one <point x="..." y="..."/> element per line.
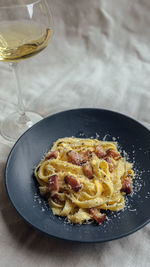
<point x="126" y="186"/>
<point x="53" y="183"/>
<point x="71" y="180"/>
<point x="85" y="155"/>
<point x="79" y="158"/>
<point x="56" y="199"/>
<point x="97" y="215"/>
<point x="100" y="152"/>
<point x="74" y="157"/>
<point x="88" y="170"/>
<point x="112" y="153"/>
<point x="52" y="154"/>
<point x="110" y="164"/>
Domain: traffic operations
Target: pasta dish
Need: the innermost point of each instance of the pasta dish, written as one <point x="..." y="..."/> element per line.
<point x="82" y="178"/>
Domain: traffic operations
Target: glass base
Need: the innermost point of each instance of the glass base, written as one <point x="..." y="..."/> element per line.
<point x="15" y="124"/>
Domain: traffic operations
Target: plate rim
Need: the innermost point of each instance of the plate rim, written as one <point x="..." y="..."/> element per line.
<point x="57" y="236"/>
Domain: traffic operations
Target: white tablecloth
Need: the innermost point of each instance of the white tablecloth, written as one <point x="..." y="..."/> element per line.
<point x="99" y="57"/>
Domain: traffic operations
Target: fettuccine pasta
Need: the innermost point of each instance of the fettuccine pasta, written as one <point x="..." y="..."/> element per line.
<point x="84" y="177"/>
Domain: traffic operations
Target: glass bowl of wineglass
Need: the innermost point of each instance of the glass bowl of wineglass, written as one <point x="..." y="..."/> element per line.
<point x="25" y="30"/>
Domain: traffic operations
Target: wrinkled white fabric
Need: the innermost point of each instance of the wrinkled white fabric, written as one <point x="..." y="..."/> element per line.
<point x="99" y="57"/>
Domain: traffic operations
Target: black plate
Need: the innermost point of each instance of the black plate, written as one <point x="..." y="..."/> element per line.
<point x="29" y="149"/>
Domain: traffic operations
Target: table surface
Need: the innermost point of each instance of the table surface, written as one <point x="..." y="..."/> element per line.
<point x="99" y="57"/>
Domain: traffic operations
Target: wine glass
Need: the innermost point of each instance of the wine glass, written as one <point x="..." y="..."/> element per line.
<point x="25" y="30"/>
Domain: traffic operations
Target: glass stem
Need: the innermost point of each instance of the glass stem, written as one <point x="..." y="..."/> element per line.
<point x="21" y="109"/>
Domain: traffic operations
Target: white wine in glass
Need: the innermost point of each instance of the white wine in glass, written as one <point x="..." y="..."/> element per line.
<point x="25" y="30"/>
<point x="21" y="40"/>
